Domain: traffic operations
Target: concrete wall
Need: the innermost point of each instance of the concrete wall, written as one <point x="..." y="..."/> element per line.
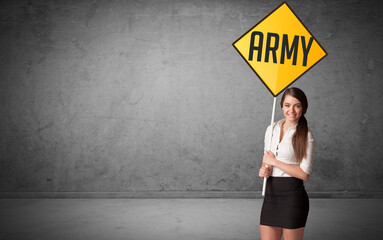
<point x="127" y="96"/>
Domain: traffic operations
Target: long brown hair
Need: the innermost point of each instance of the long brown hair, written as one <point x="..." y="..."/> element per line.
<point x="299" y="139"/>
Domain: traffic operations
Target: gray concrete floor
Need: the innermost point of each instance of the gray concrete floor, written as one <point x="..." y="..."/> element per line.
<point x="194" y="219"/>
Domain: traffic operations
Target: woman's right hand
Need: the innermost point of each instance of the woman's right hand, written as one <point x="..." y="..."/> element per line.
<point x="264" y="171"/>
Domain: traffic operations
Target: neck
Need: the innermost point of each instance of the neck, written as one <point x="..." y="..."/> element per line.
<point x="289" y="124"/>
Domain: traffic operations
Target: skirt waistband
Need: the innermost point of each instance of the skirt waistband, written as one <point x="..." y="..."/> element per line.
<point x="285" y="186"/>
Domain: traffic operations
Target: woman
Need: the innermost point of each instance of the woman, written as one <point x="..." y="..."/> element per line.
<point x="289" y="163"/>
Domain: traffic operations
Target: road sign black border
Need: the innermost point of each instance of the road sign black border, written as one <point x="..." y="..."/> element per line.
<point x="257" y="25"/>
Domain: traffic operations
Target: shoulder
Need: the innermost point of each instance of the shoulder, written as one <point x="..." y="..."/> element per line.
<point x="275" y="124"/>
<point x="310" y="136"/>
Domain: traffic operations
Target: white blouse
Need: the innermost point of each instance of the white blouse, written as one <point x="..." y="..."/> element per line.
<point x="284" y="150"/>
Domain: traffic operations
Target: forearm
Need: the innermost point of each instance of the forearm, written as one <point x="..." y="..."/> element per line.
<point x="292" y="170"/>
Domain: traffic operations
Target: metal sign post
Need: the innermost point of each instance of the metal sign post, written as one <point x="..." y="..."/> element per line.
<point x="269" y="143"/>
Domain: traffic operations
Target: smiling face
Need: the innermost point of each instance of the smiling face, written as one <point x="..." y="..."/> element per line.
<point x="292" y="109"/>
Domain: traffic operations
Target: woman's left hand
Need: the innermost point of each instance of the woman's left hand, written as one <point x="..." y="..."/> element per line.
<point x="269" y="158"/>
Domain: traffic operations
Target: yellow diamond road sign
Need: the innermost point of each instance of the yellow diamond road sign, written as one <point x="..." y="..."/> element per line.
<point x="279" y="49"/>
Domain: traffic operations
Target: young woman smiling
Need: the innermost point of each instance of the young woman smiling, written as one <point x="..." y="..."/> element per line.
<point x="290" y="158"/>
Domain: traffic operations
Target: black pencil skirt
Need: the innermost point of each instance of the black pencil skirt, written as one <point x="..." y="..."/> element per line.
<point x="285" y="204"/>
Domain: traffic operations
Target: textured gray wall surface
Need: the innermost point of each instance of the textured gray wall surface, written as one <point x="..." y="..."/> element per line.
<point x="99" y="96"/>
